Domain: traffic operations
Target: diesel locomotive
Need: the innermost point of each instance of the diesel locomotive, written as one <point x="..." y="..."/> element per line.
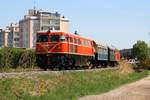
<point x="64" y="50"/>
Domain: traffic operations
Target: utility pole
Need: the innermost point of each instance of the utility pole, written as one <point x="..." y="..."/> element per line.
<point x="35" y="5"/>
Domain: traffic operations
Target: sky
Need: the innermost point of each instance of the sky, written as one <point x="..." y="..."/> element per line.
<point x="114" y="22"/>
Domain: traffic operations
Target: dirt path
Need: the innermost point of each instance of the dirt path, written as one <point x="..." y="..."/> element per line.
<point x="139" y="90"/>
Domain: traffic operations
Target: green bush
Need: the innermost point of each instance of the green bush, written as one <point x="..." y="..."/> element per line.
<point x="17" y="57"/>
<point x="27" y="59"/>
<point x="145" y="64"/>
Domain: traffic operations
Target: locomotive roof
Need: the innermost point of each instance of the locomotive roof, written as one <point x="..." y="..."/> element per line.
<point x="78" y="36"/>
<point x="64" y="33"/>
<point x="104" y="45"/>
<point x="113" y="47"/>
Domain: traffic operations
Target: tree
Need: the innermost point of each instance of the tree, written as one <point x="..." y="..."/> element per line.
<point x="140" y="50"/>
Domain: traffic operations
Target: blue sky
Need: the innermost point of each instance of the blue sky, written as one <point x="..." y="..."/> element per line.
<point x="115" y="22"/>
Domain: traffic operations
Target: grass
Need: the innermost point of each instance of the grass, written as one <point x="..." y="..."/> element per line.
<point x="64" y="86"/>
<point x="18" y="69"/>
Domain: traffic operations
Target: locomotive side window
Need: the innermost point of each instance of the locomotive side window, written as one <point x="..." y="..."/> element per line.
<point x="75" y="40"/>
<point x="71" y="39"/>
<point x="90" y="43"/>
<point x="87" y="43"/>
<point x="82" y="42"/>
<point x="79" y="41"/>
<point x="42" y="38"/>
<point x="54" y="38"/>
<point x="67" y="38"/>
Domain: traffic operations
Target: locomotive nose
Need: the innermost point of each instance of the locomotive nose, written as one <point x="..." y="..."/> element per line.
<point x="54" y="47"/>
<point x="48" y="48"/>
<point x="40" y="48"/>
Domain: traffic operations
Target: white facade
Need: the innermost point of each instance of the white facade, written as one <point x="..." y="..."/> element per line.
<point x="1" y="38"/>
<point x="27" y="30"/>
<point x="4" y="37"/>
<point x="9" y="37"/>
<point x="40" y="21"/>
<point x="64" y="25"/>
<point x="13" y="36"/>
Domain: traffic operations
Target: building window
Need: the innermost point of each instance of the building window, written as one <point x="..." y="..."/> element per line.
<point x="57" y="28"/>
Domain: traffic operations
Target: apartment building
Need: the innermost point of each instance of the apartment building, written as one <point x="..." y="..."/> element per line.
<point x="13" y="36"/>
<point x="9" y="37"/>
<point x="38" y="20"/>
<point x="4" y="37"/>
<point x="1" y="38"/>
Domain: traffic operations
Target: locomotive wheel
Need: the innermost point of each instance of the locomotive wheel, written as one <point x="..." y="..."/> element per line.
<point x="60" y="67"/>
<point x="51" y="68"/>
<point x="89" y="65"/>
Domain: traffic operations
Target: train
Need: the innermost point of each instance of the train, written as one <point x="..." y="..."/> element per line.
<point x="55" y="49"/>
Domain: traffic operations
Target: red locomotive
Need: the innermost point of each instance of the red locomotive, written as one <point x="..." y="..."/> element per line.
<point x="64" y="50"/>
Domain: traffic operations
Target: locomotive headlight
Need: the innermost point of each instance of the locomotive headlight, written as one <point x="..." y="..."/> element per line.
<point x="58" y="47"/>
<point x="47" y="46"/>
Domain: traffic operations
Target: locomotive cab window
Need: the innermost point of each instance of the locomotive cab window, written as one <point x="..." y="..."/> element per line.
<point x="42" y="38"/>
<point x="62" y="38"/>
<point x="54" y="38"/>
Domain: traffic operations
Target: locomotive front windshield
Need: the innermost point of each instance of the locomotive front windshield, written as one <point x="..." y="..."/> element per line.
<point x="42" y="38"/>
<point x="54" y="38"/>
<point x="57" y="38"/>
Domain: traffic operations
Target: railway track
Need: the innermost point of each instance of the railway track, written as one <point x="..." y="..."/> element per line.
<point x="35" y="72"/>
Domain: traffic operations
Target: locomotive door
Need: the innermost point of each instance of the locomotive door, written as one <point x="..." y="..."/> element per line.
<point x="68" y="44"/>
<point x="72" y="47"/>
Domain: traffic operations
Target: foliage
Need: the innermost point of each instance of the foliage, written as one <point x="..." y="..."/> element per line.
<point x="16" y="57"/>
<point x="27" y="59"/>
<point x="145" y="64"/>
<point x="140" y="50"/>
<point x="64" y="86"/>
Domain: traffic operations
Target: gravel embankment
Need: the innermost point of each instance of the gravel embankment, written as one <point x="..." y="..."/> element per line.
<point x="33" y="73"/>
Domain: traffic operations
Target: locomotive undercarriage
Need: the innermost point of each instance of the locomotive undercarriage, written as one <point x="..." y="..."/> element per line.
<point x="104" y="63"/>
<point x="70" y="61"/>
<point x="64" y="61"/>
